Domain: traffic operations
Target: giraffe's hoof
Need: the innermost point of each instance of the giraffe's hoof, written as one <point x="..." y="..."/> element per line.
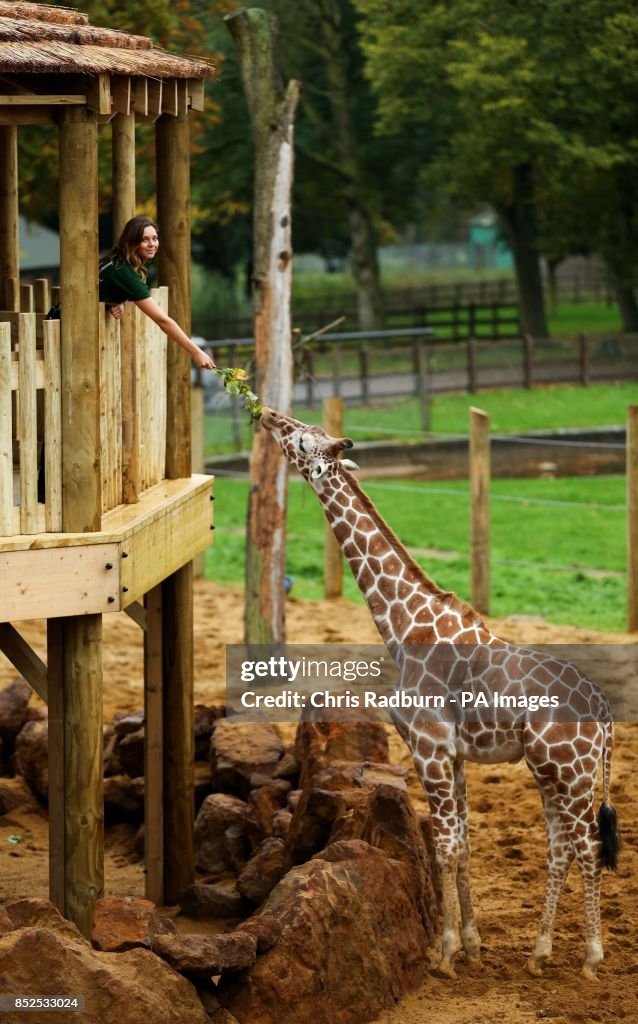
<point x="473" y="962"/>
<point x="446" y="969"/>
<point x="534" y="967"/>
<point x="589" y="973"/>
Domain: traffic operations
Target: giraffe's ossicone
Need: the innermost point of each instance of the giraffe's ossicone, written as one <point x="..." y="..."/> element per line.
<point x="441" y="644"/>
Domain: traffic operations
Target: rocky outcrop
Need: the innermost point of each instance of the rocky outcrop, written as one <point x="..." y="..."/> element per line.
<point x="220" y="838"/>
<point x="200" y="956"/>
<point x="320" y="743"/>
<point x="243" y="755"/>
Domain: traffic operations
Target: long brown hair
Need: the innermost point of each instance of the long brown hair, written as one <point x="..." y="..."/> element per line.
<point x="125" y="249"/>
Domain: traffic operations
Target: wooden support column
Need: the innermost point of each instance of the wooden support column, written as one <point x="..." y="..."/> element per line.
<point x="153" y="748"/>
<point x="75" y="643"/>
<point x="173" y="214"/>
<point x="177" y="659"/>
<point x="632" y="518"/>
<point x="123" y="129"/>
<point x="9" y="239"/>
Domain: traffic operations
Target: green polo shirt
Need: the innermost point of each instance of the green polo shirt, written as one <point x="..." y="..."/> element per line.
<point x="120" y="283"/>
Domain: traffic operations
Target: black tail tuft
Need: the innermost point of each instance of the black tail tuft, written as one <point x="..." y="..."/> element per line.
<point x="609" y="836"/>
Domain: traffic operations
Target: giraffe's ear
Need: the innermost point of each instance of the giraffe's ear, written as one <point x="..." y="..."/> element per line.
<point x="342" y="443"/>
<point x="349" y="464"/>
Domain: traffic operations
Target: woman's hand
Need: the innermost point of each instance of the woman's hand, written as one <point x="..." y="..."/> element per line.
<point x="117" y="310"/>
<point x="203" y="360"/>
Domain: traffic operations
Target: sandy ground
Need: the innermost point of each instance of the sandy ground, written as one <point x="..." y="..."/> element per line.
<point x="507" y="835"/>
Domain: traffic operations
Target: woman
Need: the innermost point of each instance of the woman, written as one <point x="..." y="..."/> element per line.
<point x="123" y="279"/>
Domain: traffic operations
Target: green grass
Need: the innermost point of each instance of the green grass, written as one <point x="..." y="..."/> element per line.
<point x="572" y="318"/>
<point x="512" y="410"/>
<point x="575" y="556"/>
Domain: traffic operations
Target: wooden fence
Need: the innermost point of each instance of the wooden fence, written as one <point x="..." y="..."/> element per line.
<point x="132" y="411"/>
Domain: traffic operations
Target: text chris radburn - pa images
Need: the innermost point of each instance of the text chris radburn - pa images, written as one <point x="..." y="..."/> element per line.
<point x="301" y="671"/>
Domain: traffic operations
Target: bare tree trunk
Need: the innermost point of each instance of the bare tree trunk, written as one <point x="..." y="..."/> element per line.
<point x="272" y="111"/>
<point x="520" y="224"/>
<point x="365" y="267"/>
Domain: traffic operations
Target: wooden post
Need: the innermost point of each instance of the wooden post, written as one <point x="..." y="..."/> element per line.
<point x="9" y="237"/>
<point x="123" y="135"/>
<point x="173" y="213"/>
<point x="153" y="748"/>
<point x="528" y="361"/>
<point x="173" y="210"/>
<point x="472" y="365"/>
<point x="177" y="690"/>
<point x="422" y="385"/>
<point x="336" y="370"/>
<point x="480" y="509"/>
<point x="75" y="643"/>
<point x="197" y="448"/>
<point x="332" y="559"/>
<point x="583" y="354"/>
<point x="632" y="518"/>
<point x="364" y="366"/>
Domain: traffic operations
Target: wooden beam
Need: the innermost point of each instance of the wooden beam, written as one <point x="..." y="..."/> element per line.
<point x="183" y="97"/>
<point x="28" y="100"/>
<point x="42" y="295"/>
<point x="121" y="94"/>
<point x="123" y="164"/>
<point x="24" y="659"/>
<point x="57" y="762"/>
<point x="140" y="96"/>
<point x="98" y="95"/>
<point x="82" y="582"/>
<point x="81" y="478"/>
<point x="196" y="93"/>
<point x="6" y="460"/>
<point x="27" y="425"/>
<point x="28" y="115"/>
<point x="9" y="239"/>
<point x="177" y="689"/>
<point x="169" y="97"/>
<point x="154" y="100"/>
<point x="153" y="748"/>
<point x="27" y="304"/>
<point x="173" y="211"/>
<point x="137" y="612"/>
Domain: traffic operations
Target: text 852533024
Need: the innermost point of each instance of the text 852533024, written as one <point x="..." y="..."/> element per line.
<point x="67" y="1004"/>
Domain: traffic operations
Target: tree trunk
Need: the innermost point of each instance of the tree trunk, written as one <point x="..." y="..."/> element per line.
<point x="365" y="267"/>
<point x="520" y="225"/>
<point x="272" y="111"/>
<point x="626" y="299"/>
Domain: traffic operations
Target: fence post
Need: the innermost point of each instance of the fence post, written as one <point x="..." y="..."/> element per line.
<point x="528" y="361"/>
<point x="421" y="368"/>
<point x="336" y="370"/>
<point x="332" y="561"/>
<point x="472" y="375"/>
<point x="480" y="509"/>
<point x="632" y="518"/>
<point x="583" y="352"/>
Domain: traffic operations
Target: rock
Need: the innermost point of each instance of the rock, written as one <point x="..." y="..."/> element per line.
<point x="125" y="723"/>
<point x="135" y="987"/>
<point x="14" y="700"/>
<point x="139" y="842"/>
<point x="111" y="761"/>
<point x="288" y="767"/>
<point x="241" y="751"/>
<point x="201" y="782"/>
<point x="222" y="1016"/>
<point x="353" y="941"/>
<point x="263" y="803"/>
<point x="318" y="744"/>
<point x="266" y="930"/>
<point x="212" y="901"/>
<point x="41" y="913"/>
<point x="294" y="797"/>
<point x="123" y="800"/>
<point x="130" y="753"/>
<point x="217" y="813"/>
<point x="6" y="924"/>
<point x="14" y="793"/>
<point x="200" y="956"/>
<point x="281" y="823"/>
<point x="204" y="722"/>
<point x="264" y="869"/>
<point x="236" y="846"/>
<point x="121" y="924"/>
<point x="31" y="757"/>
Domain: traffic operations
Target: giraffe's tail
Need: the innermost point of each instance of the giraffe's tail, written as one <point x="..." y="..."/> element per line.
<point x="607" y="818"/>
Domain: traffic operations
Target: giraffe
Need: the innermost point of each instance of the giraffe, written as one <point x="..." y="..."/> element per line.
<point x="441" y="644"/>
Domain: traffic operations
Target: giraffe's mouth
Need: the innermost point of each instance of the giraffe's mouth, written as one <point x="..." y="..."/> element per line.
<point x="269" y="418"/>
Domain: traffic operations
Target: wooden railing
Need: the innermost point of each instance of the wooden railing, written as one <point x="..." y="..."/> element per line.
<point x="132" y="414"/>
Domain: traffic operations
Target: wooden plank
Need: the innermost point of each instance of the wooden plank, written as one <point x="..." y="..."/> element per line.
<point x="140" y="96"/>
<point x="57" y="762"/>
<point x="42" y="295"/>
<point x="177" y="690"/>
<point x="6" y="460"/>
<point x="12" y="293"/>
<point x="38" y="100"/>
<point x="632" y="518"/>
<point x="27" y="424"/>
<point x="169" y="97"/>
<point x="52" y="426"/>
<point x="153" y="748"/>
<point x="123" y="167"/>
<point x="9" y="238"/>
<point x="153" y="101"/>
<point x="24" y="659"/>
<point x="173" y="208"/>
<point x="81" y="497"/>
<point x="14" y="116"/>
<point x="332" y="557"/>
<point x="137" y="612"/>
<point x="130" y="405"/>
<point x="27" y="304"/>
<point x="197" y="442"/>
<point x="53" y="582"/>
<point x="480" y="509"/>
<point x="196" y="93"/>
<point x="121" y="99"/>
<point x="98" y="96"/>
<point x="183" y="96"/>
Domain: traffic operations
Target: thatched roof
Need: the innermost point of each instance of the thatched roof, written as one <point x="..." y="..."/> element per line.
<point x="55" y="40"/>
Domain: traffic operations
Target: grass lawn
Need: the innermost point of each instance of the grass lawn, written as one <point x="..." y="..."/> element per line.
<point x="563" y="562"/>
<point x="513" y="410"/>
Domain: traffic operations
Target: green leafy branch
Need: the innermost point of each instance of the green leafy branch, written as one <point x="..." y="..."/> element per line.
<point x="236" y="382"/>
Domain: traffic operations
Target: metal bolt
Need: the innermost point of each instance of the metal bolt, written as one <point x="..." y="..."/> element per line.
<point x="125" y="590"/>
<point x="212" y="497"/>
<point x="212" y="526"/>
<point x="125" y="554"/>
<point x="111" y="600"/>
<point x="109" y="565"/>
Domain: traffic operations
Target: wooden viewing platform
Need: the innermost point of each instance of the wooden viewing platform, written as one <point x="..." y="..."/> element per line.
<point x="104" y="406"/>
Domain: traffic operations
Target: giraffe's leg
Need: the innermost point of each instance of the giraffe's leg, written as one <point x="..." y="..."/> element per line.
<point x="560" y="855"/>
<point x="469" y="932"/>
<point x="587" y="847"/>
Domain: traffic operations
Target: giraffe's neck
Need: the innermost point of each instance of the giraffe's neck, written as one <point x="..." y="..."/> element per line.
<point x="406" y="605"/>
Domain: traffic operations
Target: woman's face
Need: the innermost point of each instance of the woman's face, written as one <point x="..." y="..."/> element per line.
<point x="149" y="244"/>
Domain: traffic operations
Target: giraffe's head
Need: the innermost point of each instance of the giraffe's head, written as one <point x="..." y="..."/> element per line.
<point x="308" y="448"/>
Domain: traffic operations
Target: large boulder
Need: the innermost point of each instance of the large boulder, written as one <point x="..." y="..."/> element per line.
<point x="243" y="755"/>
<point x="213" y="902"/>
<point x="135" y="987"/>
<point x="220" y="839"/>
<point x="267" y="865"/>
<point x="31" y="756"/>
<point x="123" y="800"/>
<point x="352" y="942"/>
<point x="14" y="701"/>
<point x="15" y="793"/>
<point x="201" y="956"/>
<point x="263" y="804"/>
<point x="320" y="743"/>
<point x="124" y="923"/>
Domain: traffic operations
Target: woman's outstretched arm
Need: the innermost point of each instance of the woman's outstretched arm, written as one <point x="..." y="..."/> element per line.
<point x="175" y="332"/>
